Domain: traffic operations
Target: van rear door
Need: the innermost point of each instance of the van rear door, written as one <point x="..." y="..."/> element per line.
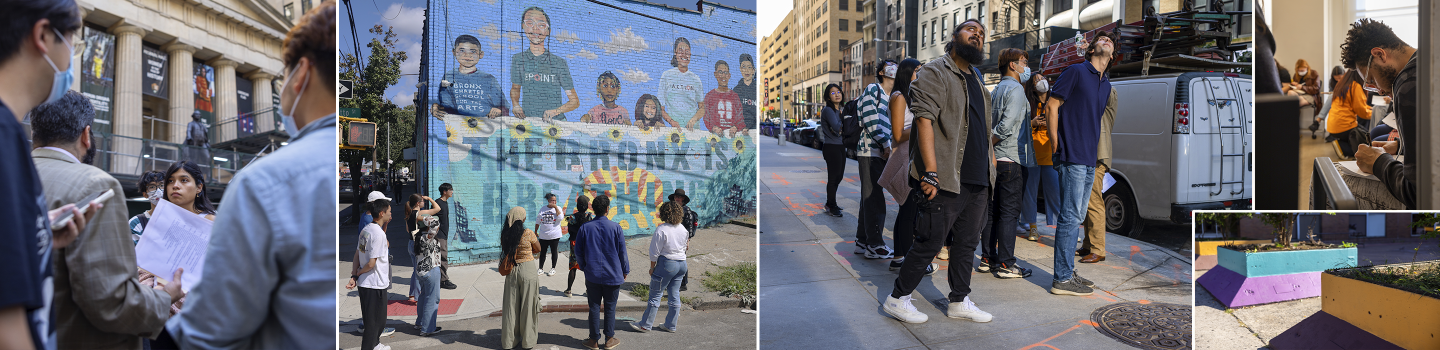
<point x="1216" y="152"/>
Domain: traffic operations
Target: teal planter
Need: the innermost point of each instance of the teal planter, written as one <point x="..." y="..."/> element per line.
<point x="1286" y="262"/>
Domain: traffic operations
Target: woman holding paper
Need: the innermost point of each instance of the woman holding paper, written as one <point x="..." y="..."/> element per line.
<point x="187" y="189"/>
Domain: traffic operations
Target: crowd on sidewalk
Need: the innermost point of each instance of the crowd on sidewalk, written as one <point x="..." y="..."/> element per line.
<point x="597" y="246"/>
<point x="966" y="165"/>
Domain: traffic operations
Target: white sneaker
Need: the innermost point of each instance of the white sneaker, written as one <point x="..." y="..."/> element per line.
<point x="903" y="310"/>
<point x="967" y="310"/>
<point x="382" y="347"/>
<point x="541" y="272"/>
<point x="551" y="273"/>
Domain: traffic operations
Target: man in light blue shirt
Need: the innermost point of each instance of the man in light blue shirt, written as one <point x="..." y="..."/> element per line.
<point x="269" y="278"/>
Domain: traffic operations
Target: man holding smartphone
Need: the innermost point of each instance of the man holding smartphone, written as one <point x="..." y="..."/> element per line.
<point x="99" y="300"/>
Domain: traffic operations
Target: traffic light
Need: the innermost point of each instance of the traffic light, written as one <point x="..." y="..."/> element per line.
<point x="361" y="134"/>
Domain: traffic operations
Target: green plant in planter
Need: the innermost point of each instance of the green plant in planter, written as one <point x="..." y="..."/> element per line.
<point x="1427" y="220"/>
<point x="1344" y="244"/>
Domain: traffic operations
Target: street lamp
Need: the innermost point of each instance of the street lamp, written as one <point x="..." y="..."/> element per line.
<point x="903" y="51"/>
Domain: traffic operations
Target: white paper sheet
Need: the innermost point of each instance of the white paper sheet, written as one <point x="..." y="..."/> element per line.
<point x="174" y="238"/>
<point x="1348" y="167"/>
<point x="1109" y="181"/>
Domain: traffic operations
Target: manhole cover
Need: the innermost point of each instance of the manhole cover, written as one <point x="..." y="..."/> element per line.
<point x="807" y="171"/>
<point x="1146" y="326"/>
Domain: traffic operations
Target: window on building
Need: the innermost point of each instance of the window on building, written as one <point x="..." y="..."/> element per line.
<point x="967" y="13"/>
<point x="290" y="11"/>
<point x="844" y="25"/>
<point x="844" y="5"/>
<point x="933" y="39"/>
<point x="825" y="27"/>
<point x="844" y="43"/>
<point x="981" y="10"/>
<point x="923" y="28"/>
<point x="1059" y="6"/>
<point x="944" y="27"/>
<point x="825" y="47"/>
<point x="304" y="6"/>
<point x="1008" y="19"/>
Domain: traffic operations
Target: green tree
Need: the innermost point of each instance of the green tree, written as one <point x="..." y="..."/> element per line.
<point x="380" y="71"/>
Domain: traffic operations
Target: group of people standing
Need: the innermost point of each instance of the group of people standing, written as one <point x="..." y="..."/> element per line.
<point x="597" y="247"/>
<point x="965" y="165"/>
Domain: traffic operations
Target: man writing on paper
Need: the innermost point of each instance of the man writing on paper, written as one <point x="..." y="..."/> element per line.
<point x="99" y="301"/>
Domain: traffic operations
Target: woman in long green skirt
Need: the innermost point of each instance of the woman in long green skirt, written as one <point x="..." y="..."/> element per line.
<point x="521" y="307"/>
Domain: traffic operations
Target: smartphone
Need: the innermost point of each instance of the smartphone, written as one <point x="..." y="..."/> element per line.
<point x="80" y="208"/>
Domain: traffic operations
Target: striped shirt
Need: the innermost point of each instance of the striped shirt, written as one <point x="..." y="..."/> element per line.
<point x="875" y="119"/>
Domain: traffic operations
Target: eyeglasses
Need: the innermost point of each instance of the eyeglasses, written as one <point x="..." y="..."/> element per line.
<point x="1365" y="78"/>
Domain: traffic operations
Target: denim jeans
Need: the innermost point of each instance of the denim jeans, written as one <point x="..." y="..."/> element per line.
<point x="1075" y="182"/>
<point x="997" y="241"/>
<point x="666" y="280"/>
<point x="428" y="302"/>
<point x="415" y="287"/>
<point x="596" y="294"/>
<point x="1037" y="178"/>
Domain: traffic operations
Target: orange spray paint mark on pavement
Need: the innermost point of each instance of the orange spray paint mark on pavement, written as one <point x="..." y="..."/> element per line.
<point x="1143" y="302"/>
<point x="1090" y="323"/>
<point x="1041" y="344"/>
<point x="779" y="179"/>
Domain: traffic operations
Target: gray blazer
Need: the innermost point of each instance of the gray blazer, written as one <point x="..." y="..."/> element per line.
<point x="99" y="301"/>
<point x="939" y="94"/>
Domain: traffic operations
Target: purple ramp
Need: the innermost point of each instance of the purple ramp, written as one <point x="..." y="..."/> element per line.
<point x="1325" y="331"/>
<point x="1234" y="290"/>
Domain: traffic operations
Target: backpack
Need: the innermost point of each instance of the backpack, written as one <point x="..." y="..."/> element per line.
<point x="850" y="129"/>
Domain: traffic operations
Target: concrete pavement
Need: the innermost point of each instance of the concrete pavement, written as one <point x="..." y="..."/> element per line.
<point x="709" y="329"/>
<point x="815" y="293"/>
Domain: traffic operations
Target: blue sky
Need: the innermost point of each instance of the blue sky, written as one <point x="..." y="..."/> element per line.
<point x="407" y="18"/>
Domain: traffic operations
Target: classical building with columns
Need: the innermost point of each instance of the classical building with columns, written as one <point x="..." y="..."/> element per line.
<point x="149" y="66"/>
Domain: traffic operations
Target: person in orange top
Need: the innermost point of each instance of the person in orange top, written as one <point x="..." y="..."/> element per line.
<point x="1347" y="104"/>
<point x="1043" y="173"/>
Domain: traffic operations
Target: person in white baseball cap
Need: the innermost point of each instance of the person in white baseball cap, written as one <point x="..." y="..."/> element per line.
<point x="373" y="277"/>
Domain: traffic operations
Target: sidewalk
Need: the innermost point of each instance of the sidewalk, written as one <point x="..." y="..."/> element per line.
<point x="481" y="287"/>
<point x="815" y="293"/>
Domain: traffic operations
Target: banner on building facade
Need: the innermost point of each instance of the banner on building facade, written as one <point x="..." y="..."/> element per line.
<point x="97" y="75"/>
<point x="244" y="106"/>
<point x="204" y="90"/>
<point x="156" y="67"/>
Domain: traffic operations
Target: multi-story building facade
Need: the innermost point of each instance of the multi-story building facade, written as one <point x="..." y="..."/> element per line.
<point x="821" y="30"/>
<point x="777" y="58"/>
<point x="150" y="66"/>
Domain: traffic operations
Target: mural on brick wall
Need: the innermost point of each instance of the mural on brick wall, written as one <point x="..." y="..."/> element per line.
<point x="572" y="97"/>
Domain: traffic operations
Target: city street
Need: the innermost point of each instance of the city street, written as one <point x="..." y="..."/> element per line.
<point x="813" y="284"/>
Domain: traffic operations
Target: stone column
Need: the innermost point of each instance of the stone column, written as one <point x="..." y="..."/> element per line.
<point x="79" y="33"/>
<point x="261" y="95"/>
<point x="225" y="109"/>
<point x="126" y="109"/>
<point x="182" y="86"/>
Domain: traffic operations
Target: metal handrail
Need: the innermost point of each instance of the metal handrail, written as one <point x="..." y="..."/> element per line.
<point x="1328" y="189"/>
<point x="253" y="117"/>
<point x="127" y="155"/>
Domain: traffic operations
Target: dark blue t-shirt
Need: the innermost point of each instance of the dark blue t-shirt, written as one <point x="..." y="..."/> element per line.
<point x="24" y="233"/>
<point x="975" y="166"/>
<point x="1085" y="92"/>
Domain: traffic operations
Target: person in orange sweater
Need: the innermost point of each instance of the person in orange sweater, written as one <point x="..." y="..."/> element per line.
<point x="1347" y="104"/>
<point x="1043" y="174"/>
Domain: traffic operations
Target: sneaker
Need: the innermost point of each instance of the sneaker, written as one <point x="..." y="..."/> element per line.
<point x="1082" y="280"/>
<point x="551" y="273"/>
<point x="591" y="344"/>
<point x="834" y="212"/>
<point x="878" y="252"/>
<point x="1070" y="287"/>
<point x="666" y="329"/>
<point x="944" y="253"/>
<point x="860" y="248"/>
<point x="1032" y="234"/>
<point x="437" y="330"/>
<point x="967" y="310"/>
<point x="417" y="327"/>
<point x="684" y="287"/>
<point x="903" y="310"/>
<point x="382" y="347"/>
<point x="612" y="343"/>
<point x="567" y="294"/>
<point x="637" y="328"/>
<point x="984" y="265"/>
<point x="896" y="264"/>
<point x="540" y="272"/>
<point x="1008" y="271"/>
<point x="447" y="285"/>
<point x="930" y="270"/>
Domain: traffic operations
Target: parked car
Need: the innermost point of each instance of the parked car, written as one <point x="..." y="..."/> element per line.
<point x="1182" y="143"/>
<point x="805" y="133"/>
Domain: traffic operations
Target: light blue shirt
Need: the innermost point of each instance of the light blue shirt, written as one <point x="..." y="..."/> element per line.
<point x="270" y="267"/>
<point x="1011" y="120"/>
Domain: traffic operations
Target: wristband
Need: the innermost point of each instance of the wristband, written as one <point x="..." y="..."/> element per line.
<point x="931" y="178"/>
<point x="355" y="277"/>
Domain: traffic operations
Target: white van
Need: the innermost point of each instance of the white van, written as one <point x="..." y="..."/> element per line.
<point x="1182" y="142"/>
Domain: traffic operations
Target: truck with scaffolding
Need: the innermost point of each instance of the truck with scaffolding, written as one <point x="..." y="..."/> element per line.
<point x="1182" y="135"/>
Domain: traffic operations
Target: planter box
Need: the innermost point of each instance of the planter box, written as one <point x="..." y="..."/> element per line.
<point x="1406" y="319"/>
<point x="1235" y="290"/>
<point x="1204" y="248"/>
<point x="1276" y="263"/>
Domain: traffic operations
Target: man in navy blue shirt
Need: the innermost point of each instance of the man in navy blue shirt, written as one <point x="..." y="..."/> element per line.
<point x="35" y="59"/>
<point x="1077" y="104"/>
<point x="601" y="250"/>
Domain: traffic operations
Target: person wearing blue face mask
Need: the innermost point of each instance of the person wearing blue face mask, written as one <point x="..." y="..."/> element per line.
<point x="271" y="257"/>
<point x="1010" y="114"/>
<point x="37" y="63"/>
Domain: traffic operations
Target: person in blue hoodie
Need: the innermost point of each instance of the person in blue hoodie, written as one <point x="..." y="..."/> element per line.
<point x="602" y="255"/>
<point x="466" y="90"/>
